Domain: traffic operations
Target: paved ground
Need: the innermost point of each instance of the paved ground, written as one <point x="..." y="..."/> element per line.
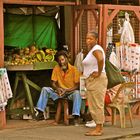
<point x="43" y="130"/>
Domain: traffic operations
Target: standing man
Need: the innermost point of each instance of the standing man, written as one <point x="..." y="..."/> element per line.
<point x="65" y="82"/>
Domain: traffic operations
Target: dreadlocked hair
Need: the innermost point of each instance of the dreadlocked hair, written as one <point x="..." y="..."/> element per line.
<point x="59" y="53"/>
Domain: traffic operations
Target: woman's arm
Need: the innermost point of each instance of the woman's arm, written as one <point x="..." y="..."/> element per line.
<point x="100" y="61"/>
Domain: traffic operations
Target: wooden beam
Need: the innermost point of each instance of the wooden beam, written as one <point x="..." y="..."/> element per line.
<point x="137" y="14"/>
<point x="113" y="14"/>
<point x="123" y="7"/>
<point x="78" y="17"/>
<point x="33" y="2"/>
<point x="95" y="16"/>
<point x="1" y="35"/>
<point x="86" y="7"/>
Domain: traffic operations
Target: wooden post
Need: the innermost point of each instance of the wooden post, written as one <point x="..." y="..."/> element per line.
<point x="1" y="35"/>
<point x="104" y="27"/>
<point x="100" y="21"/>
<point x="2" y="119"/>
<point x="2" y="113"/>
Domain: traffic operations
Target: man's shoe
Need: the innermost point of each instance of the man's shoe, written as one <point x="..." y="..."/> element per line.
<point x="39" y="115"/>
<point x="90" y="124"/>
<point x="77" y="121"/>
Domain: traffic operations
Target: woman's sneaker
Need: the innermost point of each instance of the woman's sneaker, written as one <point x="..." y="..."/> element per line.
<point x="90" y="124"/>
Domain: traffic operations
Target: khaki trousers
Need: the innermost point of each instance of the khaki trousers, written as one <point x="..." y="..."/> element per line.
<point x="96" y="90"/>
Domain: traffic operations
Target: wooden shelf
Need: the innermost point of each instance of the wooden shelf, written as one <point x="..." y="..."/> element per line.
<point x="32" y="67"/>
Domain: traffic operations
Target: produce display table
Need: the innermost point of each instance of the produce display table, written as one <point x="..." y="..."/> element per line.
<point x="21" y="74"/>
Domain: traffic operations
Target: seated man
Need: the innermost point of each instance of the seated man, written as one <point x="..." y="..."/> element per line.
<point x="65" y="83"/>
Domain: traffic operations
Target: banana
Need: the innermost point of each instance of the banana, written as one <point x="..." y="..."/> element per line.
<point x="39" y="57"/>
<point x="50" y="57"/>
<point x="43" y="54"/>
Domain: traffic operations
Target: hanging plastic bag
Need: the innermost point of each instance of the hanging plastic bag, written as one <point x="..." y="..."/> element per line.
<point x="113" y="74"/>
<point x="114" y="60"/>
<point x="78" y="61"/>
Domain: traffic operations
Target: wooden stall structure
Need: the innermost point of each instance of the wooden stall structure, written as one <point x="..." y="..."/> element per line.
<point x="102" y="16"/>
<point x="107" y="18"/>
<point x="22" y="74"/>
<point x="103" y="19"/>
<point x="22" y="2"/>
<point x="79" y="12"/>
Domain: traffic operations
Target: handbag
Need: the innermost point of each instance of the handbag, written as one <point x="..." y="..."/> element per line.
<point x="114" y="75"/>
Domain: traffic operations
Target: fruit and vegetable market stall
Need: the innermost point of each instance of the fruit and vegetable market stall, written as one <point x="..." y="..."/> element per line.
<point x="30" y="45"/>
<point x="23" y="61"/>
<point x="25" y="24"/>
<point x="21" y="74"/>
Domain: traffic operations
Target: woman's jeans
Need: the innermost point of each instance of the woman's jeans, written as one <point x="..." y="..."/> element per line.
<point x="48" y="92"/>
